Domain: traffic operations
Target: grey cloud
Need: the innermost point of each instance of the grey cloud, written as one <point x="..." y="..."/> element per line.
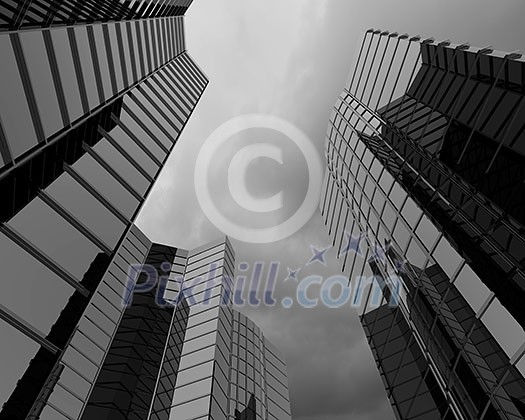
<point x="291" y="59"/>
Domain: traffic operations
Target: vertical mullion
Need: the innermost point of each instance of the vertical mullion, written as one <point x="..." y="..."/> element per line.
<point x="177" y="82"/>
<point x="140" y="48"/>
<point x="109" y="55"/>
<point x="96" y="64"/>
<point x="147" y="45"/>
<point x="120" y="47"/>
<point x="190" y="72"/>
<point x="168" y="100"/>
<point x="145" y="127"/>
<point x="78" y="69"/>
<point x="150" y="115"/>
<point x="154" y="42"/>
<point x="112" y="171"/>
<point x="125" y="154"/>
<point x="131" y="51"/>
<point x="57" y="81"/>
<point x="5" y="150"/>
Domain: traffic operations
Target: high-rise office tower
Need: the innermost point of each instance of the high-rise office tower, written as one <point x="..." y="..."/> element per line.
<point x="93" y="97"/>
<point x="175" y="349"/>
<point x="424" y="192"/>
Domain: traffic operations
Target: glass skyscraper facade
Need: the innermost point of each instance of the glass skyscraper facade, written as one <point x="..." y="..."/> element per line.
<point x="425" y="158"/>
<point x="26" y="14"/>
<point x="94" y="97"/>
<point x="175" y="349"/>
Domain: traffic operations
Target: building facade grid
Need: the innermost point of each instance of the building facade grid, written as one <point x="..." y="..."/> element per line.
<point x="390" y="183"/>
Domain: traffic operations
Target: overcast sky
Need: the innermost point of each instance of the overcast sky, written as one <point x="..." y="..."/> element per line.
<point x="291" y="59"/>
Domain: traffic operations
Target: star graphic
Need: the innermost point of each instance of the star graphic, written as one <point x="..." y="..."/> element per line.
<point x="353" y="244"/>
<point x="292" y="274"/>
<point x="400" y="265"/>
<point x="317" y="255"/>
<point x="379" y="253"/>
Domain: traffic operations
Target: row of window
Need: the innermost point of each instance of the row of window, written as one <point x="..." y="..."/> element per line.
<point x="257" y="370"/>
<point x="84" y="356"/>
<point x="45" y="13"/>
<point x="203" y="371"/>
<point x="432" y="126"/>
<point x="401" y="226"/>
<point x="53" y="77"/>
<point x="443" y="252"/>
<point x="81" y="225"/>
<point x="74" y="251"/>
<point x="493" y="111"/>
<point x="384" y="68"/>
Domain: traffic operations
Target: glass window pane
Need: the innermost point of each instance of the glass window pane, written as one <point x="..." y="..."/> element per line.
<point x="153" y="147"/>
<point x="521" y="365"/>
<point x="67" y="72"/>
<point x="87" y="209"/>
<point x="397" y="195"/>
<point x="98" y="318"/>
<point x="14" y="109"/>
<point x="189" y="375"/>
<point x="427" y="232"/>
<point x="35" y="293"/>
<point x="106" y="184"/>
<point x="193" y="409"/>
<point x="134" y="151"/>
<point x="41" y="80"/>
<point x="158" y="119"/>
<point x="78" y="362"/>
<point x="81" y="342"/>
<point x="56" y="237"/>
<point x="49" y="413"/>
<point x="66" y="402"/>
<point x="167" y="111"/>
<point x="198" y="254"/>
<point x="207" y="327"/>
<point x="447" y="257"/>
<point x="389" y="216"/>
<point x="183" y="85"/>
<point x="415" y="255"/>
<point x="401" y="235"/>
<point x="125" y="169"/>
<point x="72" y="381"/>
<point x="504" y="327"/>
<point x="472" y="288"/>
<point x="411" y="212"/>
<point x="16" y="352"/>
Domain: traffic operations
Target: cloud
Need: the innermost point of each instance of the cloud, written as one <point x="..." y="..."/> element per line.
<point x="291" y="59"/>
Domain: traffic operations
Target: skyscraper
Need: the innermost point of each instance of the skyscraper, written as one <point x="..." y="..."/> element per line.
<point x="425" y="154"/>
<point x="94" y="97"/>
<point x="196" y="358"/>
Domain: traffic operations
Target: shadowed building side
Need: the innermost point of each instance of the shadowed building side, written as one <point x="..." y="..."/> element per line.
<point x="424" y="151"/>
<point x="89" y="114"/>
